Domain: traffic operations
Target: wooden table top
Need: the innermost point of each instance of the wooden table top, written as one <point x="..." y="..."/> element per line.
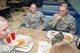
<point x="36" y="36"/>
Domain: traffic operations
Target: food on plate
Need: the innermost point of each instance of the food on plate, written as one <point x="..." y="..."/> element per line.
<point x="68" y="38"/>
<point x="18" y="43"/>
<point x="21" y="42"/>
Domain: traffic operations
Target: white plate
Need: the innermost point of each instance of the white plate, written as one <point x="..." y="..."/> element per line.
<point x="26" y="48"/>
<point x="52" y="33"/>
<point x="68" y="34"/>
<point x="24" y="37"/>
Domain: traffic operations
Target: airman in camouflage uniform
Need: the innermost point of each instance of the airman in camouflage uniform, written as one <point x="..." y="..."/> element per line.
<point x="4" y="47"/>
<point x="35" y="19"/>
<point x="63" y="21"/>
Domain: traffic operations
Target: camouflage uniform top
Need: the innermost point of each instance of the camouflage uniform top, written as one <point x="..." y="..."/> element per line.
<point x="5" y="48"/>
<point x="66" y="24"/>
<point x="36" y="20"/>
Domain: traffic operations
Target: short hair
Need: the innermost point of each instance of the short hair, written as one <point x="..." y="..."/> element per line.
<point x="33" y="4"/>
<point x="64" y="48"/>
<point x="2" y="19"/>
<point x="64" y="4"/>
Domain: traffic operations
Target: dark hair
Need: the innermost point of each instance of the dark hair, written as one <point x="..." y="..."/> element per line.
<point x="66" y="4"/>
<point x="32" y="4"/>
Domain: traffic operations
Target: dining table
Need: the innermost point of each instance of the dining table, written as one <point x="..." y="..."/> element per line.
<point x="37" y="36"/>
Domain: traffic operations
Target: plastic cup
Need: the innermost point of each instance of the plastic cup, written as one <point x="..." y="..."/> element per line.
<point x="8" y="39"/>
<point x="13" y="36"/>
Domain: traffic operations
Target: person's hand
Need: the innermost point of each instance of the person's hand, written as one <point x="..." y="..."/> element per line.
<point x="59" y="17"/>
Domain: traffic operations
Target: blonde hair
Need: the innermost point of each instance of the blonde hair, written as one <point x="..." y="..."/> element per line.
<point x="63" y="48"/>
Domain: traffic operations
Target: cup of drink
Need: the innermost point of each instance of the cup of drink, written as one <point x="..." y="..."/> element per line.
<point x="8" y="39"/>
<point x="13" y="36"/>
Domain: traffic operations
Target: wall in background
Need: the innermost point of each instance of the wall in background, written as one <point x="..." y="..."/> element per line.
<point x="2" y="3"/>
<point x="75" y="4"/>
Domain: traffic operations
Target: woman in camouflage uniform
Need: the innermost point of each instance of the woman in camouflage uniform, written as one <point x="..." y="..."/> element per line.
<point x="35" y="19"/>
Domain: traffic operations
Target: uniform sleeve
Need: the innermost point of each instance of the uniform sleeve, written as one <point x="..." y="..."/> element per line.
<point x="44" y="21"/>
<point x="26" y="21"/>
<point x="53" y="21"/>
<point x="5" y="48"/>
<point x="73" y="26"/>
